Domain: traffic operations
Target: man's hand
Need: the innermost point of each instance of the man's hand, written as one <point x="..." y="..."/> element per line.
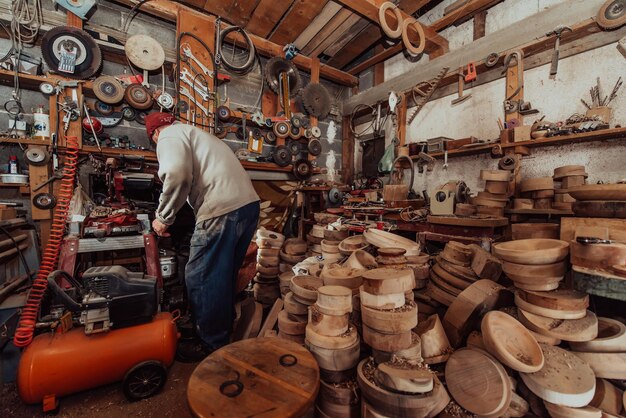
<point x="160" y="228"/>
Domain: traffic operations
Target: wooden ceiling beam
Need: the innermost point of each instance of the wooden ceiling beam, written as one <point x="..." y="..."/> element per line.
<point x="472" y="7"/>
<point x="168" y="10"/>
<point x="265" y="15"/>
<point x="370" y="35"/>
<point x="435" y="44"/>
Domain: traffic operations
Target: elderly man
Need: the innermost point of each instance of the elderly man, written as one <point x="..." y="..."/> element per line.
<point x="199" y="168"/>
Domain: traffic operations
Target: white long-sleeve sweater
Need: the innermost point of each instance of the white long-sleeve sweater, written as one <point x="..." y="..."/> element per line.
<point x="200" y="168"/>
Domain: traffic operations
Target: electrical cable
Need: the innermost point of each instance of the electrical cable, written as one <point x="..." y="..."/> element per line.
<point x="240" y="69"/>
<point x="30" y="312"/>
<point x="354" y="112"/>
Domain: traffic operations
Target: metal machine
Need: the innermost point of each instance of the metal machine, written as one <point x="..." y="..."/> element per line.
<point x="444" y="198"/>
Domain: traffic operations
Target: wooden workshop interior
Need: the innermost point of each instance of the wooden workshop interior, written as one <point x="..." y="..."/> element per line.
<point x="333" y="208"/>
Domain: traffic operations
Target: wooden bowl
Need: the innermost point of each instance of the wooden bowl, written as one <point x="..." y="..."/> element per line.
<point x="598" y="192"/>
<point x="380" y="238"/>
<point x="361" y="260"/>
<point x="511" y="343"/>
<point x="305" y="287"/>
<point x="611" y="338"/>
<point x="351" y="244"/>
<point x="532" y="251"/>
<point x="534" y="274"/>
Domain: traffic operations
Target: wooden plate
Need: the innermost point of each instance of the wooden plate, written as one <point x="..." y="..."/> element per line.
<point x="466" y="311"/>
<point x="392" y="404"/>
<point x="478" y="383"/>
<point x="560" y="411"/>
<point x="511" y="343"/>
<point x="564" y="380"/>
<point x="532" y="251"/>
<point x="599" y="192"/>
<point x="584" y="329"/>
<point x="611" y="338"/>
<point x="527" y="306"/>
<point x="305" y="287"/>
<point x="605" y="365"/>
<point x="380" y="238"/>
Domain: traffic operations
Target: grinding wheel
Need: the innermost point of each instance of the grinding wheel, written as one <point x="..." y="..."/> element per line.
<point x="282" y="156"/>
<point x="612" y="14"/>
<point x="37" y="156"/>
<point x="315" y="147"/>
<point x="108" y="89"/>
<point x="138" y="97"/>
<point x="302" y="169"/>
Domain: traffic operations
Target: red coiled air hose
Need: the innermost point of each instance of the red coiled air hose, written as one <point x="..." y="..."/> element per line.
<point x="30" y="312"/>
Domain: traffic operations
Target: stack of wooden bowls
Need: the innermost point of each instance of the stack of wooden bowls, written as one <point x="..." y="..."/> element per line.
<point x="495" y="197"/>
<point x="388" y="316"/>
<point x="451" y="273"/>
<point x="331" y="338"/>
<point x="534" y="264"/>
<point x="599" y="200"/>
<point x="540" y="190"/>
<point x="292" y="253"/>
<point x="338" y="400"/>
<point x="400" y="389"/>
<point x="421" y="269"/>
<point x="568" y="176"/>
<point x="391" y="257"/>
<point x="314" y="240"/>
<point x="266" y="287"/>
<point x="291" y="325"/>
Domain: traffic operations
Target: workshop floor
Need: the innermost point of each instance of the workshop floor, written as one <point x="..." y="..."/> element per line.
<point x="109" y="400"/>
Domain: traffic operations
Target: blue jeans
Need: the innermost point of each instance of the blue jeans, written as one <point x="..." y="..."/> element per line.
<point x="218" y="247"/>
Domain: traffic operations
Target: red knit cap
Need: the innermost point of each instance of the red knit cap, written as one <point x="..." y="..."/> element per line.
<point x="156" y="120"/>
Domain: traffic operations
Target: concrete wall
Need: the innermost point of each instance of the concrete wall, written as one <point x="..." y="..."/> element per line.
<point x="556" y="99"/>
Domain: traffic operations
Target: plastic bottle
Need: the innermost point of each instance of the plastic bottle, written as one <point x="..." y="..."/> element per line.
<point x="13" y="167"/>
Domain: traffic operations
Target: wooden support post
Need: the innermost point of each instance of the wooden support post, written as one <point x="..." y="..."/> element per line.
<point x="347" y="152"/>
<point x="402" y="107"/>
<point x="479" y="24"/>
<point x="379" y="69"/>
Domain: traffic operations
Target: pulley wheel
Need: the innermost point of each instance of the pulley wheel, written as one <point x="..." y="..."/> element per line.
<point x="281" y="129"/>
<point x="296" y="121"/>
<point x="270" y="137"/>
<point x="141" y="118"/>
<point x="129" y="114"/>
<point x="223" y="113"/>
<point x="103" y="108"/>
<point x="295" y="147"/>
<point x="282" y="156"/>
<point x="44" y="201"/>
<point x="108" y="89"/>
<point x="220" y="131"/>
<point x="612" y="14"/>
<point x="316" y="132"/>
<point x="315" y="147"/>
<point x="144" y="52"/>
<point x="138" y="97"/>
<point x="302" y="169"/>
<point x="295" y="133"/>
<point x="37" y="156"/>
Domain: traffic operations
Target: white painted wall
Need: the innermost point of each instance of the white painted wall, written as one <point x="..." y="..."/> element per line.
<point x="557" y="99"/>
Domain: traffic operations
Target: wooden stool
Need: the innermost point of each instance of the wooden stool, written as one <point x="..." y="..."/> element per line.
<point x="254" y="377"/>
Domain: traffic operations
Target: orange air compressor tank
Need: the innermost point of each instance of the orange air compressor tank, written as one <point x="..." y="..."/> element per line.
<point x="56" y="364"/>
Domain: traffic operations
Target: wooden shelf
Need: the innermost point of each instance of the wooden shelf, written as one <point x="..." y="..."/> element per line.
<point x="23" y="141"/>
<point x="14" y="185"/>
<point x="32" y="82"/>
<point x="605" y="134"/>
<point x="557" y="212"/>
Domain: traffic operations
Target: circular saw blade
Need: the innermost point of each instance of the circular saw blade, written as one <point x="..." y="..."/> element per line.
<point x="316" y="100"/>
<point x="277" y="65"/>
<point x="89" y="56"/>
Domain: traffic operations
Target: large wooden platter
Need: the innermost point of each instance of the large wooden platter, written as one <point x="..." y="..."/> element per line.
<point x="611" y="338"/>
<point x="478" y="382"/>
<point x="598" y="192"/>
<point x="564" y="380"/>
<point x="510" y="342"/>
<point x="380" y="239"/>
<point x="584" y="329"/>
<point x="528" y="304"/>
<point x="267" y="385"/>
<point x="605" y="365"/>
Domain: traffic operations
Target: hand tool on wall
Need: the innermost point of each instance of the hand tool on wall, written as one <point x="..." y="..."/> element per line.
<point x="558" y="32"/>
<point x="57" y="175"/>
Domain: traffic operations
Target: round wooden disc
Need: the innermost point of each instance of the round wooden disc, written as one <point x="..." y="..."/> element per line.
<point x="439" y="294"/>
<point x="510" y="342"/>
<point x="523" y="303"/>
<point x="442" y="284"/>
<point x="291" y="324"/>
<point x="584" y="329"/>
<point x="386" y="342"/>
<point x="458" y="271"/>
<point x="614" y="192"/>
<point x="605" y="365"/>
<point x="560" y="299"/>
<point x="391" y="321"/>
<point x="383" y="281"/>
<point x="294" y="307"/>
<point x="466" y="311"/>
<point x="342" y="341"/>
<point x="560" y="411"/>
<point x="564" y="380"/>
<point x="611" y="338"/>
<point x="267" y="385"/>
<point x="538" y="183"/>
<point x="457" y="282"/>
<point x="477" y="382"/>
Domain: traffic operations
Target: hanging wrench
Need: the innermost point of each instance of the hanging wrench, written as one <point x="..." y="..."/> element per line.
<point x="185" y="92"/>
<point x="202" y="91"/>
<point x="187" y="52"/>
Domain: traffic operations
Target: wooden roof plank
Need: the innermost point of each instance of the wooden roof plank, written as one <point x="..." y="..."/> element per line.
<point x="332" y="31"/>
<point x="327" y="13"/>
<point x="265" y="16"/>
<point x="299" y="16"/>
<point x="346" y="37"/>
<point x="332" y="25"/>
